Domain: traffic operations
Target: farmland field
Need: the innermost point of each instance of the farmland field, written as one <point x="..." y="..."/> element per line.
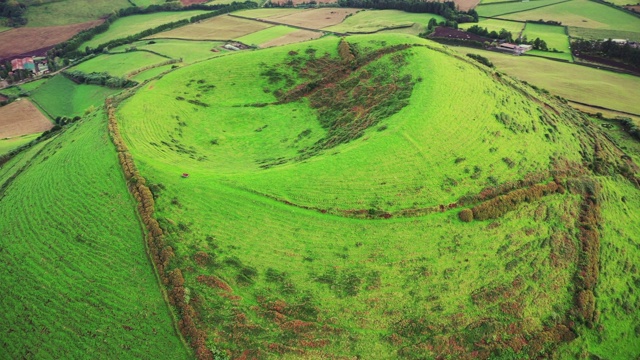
<point x="68" y="12"/>
<point x="148" y="74"/>
<point x="187" y="50"/>
<point x="293" y="37"/>
<point x="132" y="25"/>
<point x="491" y="10"/>
<point x="32" y="85"/>
<point x="554" y="36"/>
<point x="315" y="18"/>
<point x="21" y="117"/>
<point x="549" y="54"/>
<point x="76" y="260"/>
<point x="21" y="40"/>
<point x="284" y="245"/>
<point x="266" y="13"/>
<point x="574" y="82"/>
<point x="599" y="34"/>
<point x="77" y="99"/>
<point x="222" y="27"/>
<point x="583" y="14"/>
<point x="266" y="35"/>
<point x="6" y="145"/>
<point x="496" y="25"/>
<point x="374" y="20"/>
<point x="119" y="64"/>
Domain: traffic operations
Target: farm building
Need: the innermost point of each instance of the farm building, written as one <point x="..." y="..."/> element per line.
<point x="23" y="64"/>
<point x="514" y="48"/>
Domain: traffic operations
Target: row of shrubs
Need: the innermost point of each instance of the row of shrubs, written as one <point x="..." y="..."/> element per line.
<point x="103" y="79"/>
<point x="498" y="206"/>
<point x="159" y="252"/>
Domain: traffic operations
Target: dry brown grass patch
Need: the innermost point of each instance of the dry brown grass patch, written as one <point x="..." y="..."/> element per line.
<point x="21" y="118"/>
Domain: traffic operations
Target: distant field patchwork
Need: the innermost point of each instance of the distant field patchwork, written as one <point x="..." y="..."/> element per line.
<point x="222" y="27"/>
<point x="369" y="21"/>
<point x="315" y="18"/>
<point x="496" y="25"/>
<point x="67" y="12"/>
<point x="21" y="117"/>
<point x="266" y="35"/>
<point x="131" y="25"/>
<point x="502" y="8"/>
<point x="188" y="51"/>
<point x="292" y="37"/>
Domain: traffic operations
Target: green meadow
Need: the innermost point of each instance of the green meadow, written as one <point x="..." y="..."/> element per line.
<point x="503" y="8"/>
<point x="76" y="100"/>
<point x="262" y="36"/>
<point x="188" y="50"/>
<point x="68" y="12"/>
<point x="375" y="20"/>
<point x="75" y="263"/>
<point x="120" y="64"/>
<point x="132" y="25"/>
<point x="281" y="237"/>
<point x="573" y="82"/>
<point x="151" y="73"/>
<point x="6" y="145"/>
<point x="554" y="36"/>
<point x="584" y="14"/>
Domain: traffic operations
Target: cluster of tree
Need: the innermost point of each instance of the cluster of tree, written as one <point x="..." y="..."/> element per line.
<point x="538" y="44"/>
<point x="481" y="59"/>
<point x="13" y="11"/>
<point x="547" y="22"/>
<point x="103" y="79"/>
<point x="63" y="120"/>
<point x="502" y="35"/>
<point x="631" y="127"/>
<point x="447" y="9"/>
<point x="609" y="49"/>
<point x="70" y="47"/>
<point x="431" y="27"/>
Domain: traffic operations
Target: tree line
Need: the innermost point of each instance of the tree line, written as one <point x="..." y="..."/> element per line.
<point x="13" y="11"/>
<point x="70" y="48"/>
<point x="448" y="9"/>
<point x="609" y="49"/>
<point x="103" y="79"/>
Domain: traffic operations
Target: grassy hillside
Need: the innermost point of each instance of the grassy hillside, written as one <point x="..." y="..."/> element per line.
<point x="75" y="262"/>
<point x="76" y="99"/>
<point x="309" y="230"/>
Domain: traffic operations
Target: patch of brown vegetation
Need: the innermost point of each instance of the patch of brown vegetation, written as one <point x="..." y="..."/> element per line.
<point x="214" y="282"/>
<point x="21" y="118"/>
<point x="291" y="38"/>
<point x="36" y="41"/>
<point x="316" y="18"/>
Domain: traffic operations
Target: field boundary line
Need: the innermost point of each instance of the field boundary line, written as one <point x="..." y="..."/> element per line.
<point x="603" y="108"/>
<point x="289" y="25"/>
<point x="519" y="11"/>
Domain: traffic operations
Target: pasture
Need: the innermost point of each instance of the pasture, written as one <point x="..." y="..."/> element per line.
<point x="21" y="117"/>
<point x="74" y="258"/>
<point x="555" y="37"/>
<point x="153" y="72"/>
<point x="600" y="34"/>
<point x="76" y="100"/>
<point x="188" y="50"/>
<point x="503" y="8"/>
<point x="314" y="18"/>
<point x="266" y="35"/>
<point x="583" y="14"/>
<point x="266" y="13"/>
<point x="223" y="27"/>
<point x="292" y="38"/>
<point x="132" y="25"/>
<point x="369" y="21"/>
<point x="6" y="145"/>
<point x="119" y="64"/>
<point x="573" y="82"/>
<point x="67" y="12"/>
<point x="286" y="236"/>
<point x="496" y="25"/>
<point x="23" y="40"/>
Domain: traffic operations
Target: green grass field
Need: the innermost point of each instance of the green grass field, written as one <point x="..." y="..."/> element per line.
<point x="600" y="34"/>
<point x="499" y="10"/>
<point x="496" y="25"/>
<point x="119" y="64"/>
<point x="190" y="51"/>
<point x="375" y="20"/>
<point x="277" y="244"/>
<point x="32" y="85"/>
<point x="574" y="82"/>
<point x="554" y="36"/>
<point x="148" y="74"/>
<point x="267" y="13"/>
<point x="132" y="25"/>
<point x="262" y="36"/>
<point x="583" y="14"/>
<point x="551" y="55"/>
<point x="71" y="11"/>
<point x="6" y="145"/>
<point x="75" y="262"/>
<point x="76" y="98"/>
